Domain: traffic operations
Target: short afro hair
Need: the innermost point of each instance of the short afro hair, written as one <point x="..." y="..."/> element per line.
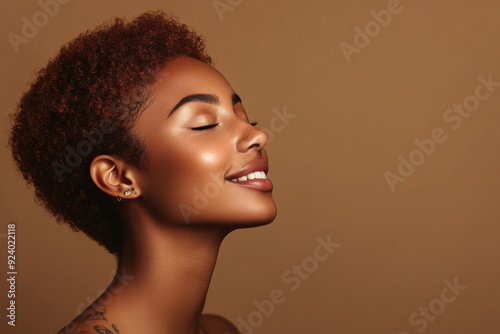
<point x="83" y="104"/>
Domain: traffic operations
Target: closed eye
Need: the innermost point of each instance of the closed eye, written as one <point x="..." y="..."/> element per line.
<point x="205" y="127"/>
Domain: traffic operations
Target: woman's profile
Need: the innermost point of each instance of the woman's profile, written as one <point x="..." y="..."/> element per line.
<point x="131" y="136"/>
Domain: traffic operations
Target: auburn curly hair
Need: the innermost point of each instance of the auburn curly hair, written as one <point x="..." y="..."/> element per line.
<point x="83" y="104"/>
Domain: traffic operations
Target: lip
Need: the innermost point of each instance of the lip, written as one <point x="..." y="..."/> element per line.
<point x="259" y="184"/>
<point x="254" y="166"/>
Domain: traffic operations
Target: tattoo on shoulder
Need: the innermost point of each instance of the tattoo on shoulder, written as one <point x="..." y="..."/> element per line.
<point x="103" y="330"/>
<point x="95" y="315"/>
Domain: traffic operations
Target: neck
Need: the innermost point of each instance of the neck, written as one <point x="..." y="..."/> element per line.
<point x="163" y="277"/>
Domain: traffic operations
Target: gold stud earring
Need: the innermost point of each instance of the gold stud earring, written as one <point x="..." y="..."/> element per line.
<point x="128" y="191"/>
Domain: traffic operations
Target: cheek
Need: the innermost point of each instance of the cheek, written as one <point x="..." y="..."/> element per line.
<point x="180" y="172"/>
<point x="186" y="158"/>
<point x="209" y="159"/>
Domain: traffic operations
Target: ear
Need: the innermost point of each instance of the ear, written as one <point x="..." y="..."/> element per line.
<point x="115" y="177"/>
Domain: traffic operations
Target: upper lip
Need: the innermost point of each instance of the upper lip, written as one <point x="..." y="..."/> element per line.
<point x="254" y="166"/>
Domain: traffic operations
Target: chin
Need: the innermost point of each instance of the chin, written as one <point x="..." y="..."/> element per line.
<point x="234" y="218"/>
<point x="261" y="212"/>
<point x="257" y="217"/>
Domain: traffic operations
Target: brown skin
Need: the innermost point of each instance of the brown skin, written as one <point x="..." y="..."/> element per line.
<point x="172" y="258"/>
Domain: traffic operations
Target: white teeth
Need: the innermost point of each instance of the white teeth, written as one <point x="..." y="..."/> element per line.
<point x="251" y="176"/>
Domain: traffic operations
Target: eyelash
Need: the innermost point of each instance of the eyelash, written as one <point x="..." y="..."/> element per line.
<point x="206" y="127"/>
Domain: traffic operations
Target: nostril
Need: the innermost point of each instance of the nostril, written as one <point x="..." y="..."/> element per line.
<point x="256" y="145"/>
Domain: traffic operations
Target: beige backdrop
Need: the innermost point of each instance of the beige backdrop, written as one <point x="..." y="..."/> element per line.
<point x="344" y="100"/>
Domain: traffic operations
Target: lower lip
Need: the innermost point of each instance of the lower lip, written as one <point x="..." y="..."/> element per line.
<point x="259" y="184"/>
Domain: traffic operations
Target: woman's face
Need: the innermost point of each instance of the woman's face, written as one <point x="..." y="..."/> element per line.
<point x="200" y="148"/>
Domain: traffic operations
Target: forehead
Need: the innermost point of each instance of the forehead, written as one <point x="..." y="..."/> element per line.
<point x="184" y="76"/>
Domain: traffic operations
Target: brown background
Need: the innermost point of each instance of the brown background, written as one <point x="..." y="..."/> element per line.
<point x="352" y="122"/>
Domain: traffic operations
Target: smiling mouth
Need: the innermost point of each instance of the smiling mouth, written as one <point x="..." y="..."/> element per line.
<point x="257" y="180"/>
<point x="253" y="175"/>
<point x="259" y="175"/>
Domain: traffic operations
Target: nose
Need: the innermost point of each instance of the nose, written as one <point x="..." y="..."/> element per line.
<point x="250" y="138"/>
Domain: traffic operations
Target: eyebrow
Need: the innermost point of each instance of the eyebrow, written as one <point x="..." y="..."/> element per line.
<point x="205" y="98"/>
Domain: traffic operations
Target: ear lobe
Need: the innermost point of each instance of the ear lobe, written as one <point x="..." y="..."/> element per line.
<point x="113" y="176"/>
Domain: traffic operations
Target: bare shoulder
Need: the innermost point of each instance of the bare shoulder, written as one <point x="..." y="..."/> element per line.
<point x="90" y="322"/>
<point x="216" y="324"/>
